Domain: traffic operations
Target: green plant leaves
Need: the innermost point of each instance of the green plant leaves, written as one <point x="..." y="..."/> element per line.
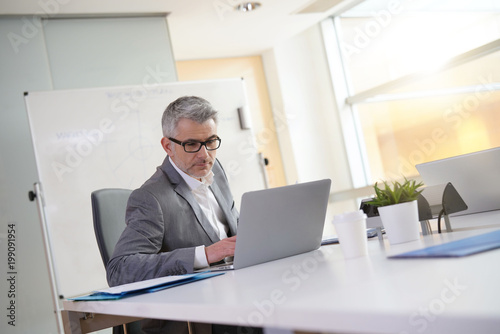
<point x="396" y="192"/>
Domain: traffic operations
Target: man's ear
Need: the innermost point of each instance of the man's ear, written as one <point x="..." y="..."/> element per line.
<point x="167" y="145"/>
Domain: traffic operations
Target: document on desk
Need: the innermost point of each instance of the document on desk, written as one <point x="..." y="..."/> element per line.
<point x="370" y="233"/>
<point x="458" y="248"/>
<point x="147" y="286"/>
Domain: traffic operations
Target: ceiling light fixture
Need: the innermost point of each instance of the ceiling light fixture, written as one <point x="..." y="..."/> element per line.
<point x="248" y="6"/>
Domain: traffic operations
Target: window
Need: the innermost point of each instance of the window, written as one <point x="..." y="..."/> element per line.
<point x="423" y="81"/>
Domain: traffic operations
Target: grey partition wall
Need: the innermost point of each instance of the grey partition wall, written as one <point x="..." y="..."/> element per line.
<point x="23" y="66"/>
<point x="93" y="52"/>
<point x="89" y="139"/>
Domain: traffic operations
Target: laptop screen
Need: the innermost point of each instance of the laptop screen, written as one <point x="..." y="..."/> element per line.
<point x="475" y="176"/>
<point x="280" y="222"/>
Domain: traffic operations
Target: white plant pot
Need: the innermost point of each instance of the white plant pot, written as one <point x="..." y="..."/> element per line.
<point x="400" y="222"/>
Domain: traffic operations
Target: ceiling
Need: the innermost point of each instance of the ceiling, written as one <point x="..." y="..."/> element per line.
<point x="211" y="29"/>
<point x="202" y="29"/>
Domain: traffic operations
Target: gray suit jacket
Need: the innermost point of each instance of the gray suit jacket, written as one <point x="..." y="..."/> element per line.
<point x="164" y="225"/>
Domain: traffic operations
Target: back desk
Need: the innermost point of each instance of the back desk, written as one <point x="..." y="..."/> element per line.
<point x="320" y="291"/>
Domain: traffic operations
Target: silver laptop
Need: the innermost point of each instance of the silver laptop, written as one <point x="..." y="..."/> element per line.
<point x="476" y="177"/>
<point x="280" y="222"/>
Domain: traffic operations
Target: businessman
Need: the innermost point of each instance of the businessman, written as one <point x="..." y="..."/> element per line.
<point x="183" y="217"/>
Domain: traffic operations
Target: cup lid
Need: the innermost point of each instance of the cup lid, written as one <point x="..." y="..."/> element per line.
<point x="349" y="216"/>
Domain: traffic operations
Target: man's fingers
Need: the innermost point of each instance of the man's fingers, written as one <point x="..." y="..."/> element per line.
<point x="221" y="249"/>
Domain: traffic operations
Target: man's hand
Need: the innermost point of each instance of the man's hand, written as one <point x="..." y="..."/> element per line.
<point x="218" y="251"/>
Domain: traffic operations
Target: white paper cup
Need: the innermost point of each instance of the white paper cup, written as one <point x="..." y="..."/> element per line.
<point x="351" y="231"/>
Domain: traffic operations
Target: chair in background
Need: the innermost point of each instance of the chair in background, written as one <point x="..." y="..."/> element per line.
<point x="108" y="211"/>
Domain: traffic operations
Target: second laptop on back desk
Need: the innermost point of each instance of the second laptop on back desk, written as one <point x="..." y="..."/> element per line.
<point x="280" y="222"/>
<point x="475" y="176"/>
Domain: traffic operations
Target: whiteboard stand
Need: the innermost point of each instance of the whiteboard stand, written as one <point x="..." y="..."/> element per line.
<point x="38" y="196"/>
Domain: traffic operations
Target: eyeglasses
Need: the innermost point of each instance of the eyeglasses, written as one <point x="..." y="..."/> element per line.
<point x="194" y="146"/>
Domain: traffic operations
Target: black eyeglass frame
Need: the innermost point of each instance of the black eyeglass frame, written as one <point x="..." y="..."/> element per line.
<point x="202" y="143"/>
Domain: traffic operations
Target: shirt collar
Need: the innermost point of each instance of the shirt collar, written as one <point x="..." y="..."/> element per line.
<point x="191" y="181"/>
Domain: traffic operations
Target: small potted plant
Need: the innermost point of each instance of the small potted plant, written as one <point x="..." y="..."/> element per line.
<point x="398" y="209"/>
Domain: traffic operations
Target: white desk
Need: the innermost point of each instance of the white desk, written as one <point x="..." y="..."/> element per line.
<point x="321" y="292"/>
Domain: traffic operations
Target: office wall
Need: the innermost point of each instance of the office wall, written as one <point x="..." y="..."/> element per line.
<point x="26" y="69"/>
<point x="26" y="66"/>
<point x="306" y="95"/>
<point x="93" y="52"/>
<point x="300" y="88"/>
<point x="265" y="125"/>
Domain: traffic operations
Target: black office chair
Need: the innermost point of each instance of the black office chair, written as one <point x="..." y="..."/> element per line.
<point x="108" y="211"/>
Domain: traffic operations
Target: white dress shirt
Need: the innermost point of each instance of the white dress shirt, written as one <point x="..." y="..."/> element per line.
<point x="210" y="207"/>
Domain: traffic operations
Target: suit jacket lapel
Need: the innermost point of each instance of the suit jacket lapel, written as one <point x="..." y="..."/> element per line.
<point x="225" y="207"/>
<point x="181" y="188"/>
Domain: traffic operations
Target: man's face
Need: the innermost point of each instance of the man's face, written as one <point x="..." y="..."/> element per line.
<point x="197" y="164"/>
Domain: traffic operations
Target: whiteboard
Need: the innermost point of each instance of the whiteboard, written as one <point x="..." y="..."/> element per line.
<point x="89" y="139"/>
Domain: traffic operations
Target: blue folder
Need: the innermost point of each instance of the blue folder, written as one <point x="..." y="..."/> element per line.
<point x="148" y="286"/>
<point x="458" y="248"/>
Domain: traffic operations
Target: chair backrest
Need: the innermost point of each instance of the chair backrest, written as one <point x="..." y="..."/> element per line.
<point x="108" y="211"/>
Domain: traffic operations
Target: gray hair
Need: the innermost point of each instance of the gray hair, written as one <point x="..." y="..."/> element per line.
<point x="191" y="107"/>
